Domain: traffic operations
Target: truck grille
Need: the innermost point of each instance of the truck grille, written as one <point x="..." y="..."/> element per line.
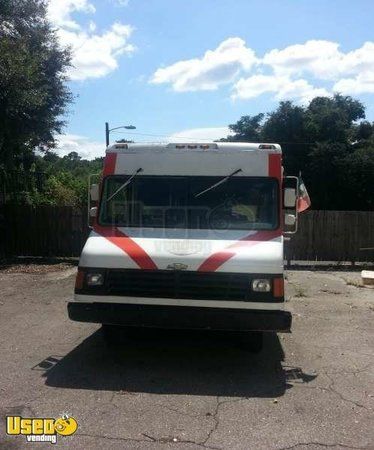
<point x="180" y="284"/>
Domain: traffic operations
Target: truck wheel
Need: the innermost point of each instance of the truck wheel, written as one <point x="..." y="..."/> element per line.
<point x="251" y="341"/>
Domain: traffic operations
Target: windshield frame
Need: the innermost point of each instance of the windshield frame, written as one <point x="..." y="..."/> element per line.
<point x="274" y="180"/>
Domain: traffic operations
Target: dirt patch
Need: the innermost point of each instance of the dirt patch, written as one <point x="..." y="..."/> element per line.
<point x="37" y="265"/>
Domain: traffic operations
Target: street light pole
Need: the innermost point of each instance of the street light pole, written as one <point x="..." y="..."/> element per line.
<point x="107" y="133"/>
<point x="107" y="130"/>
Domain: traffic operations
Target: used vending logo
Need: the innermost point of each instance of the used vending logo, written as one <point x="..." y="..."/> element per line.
<point x="41" y="429"/>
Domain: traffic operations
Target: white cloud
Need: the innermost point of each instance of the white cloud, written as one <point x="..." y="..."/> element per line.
<point x="363" y="83"/>
<point x="282" y="86"/>
<point x="94" y="54"/>
<point x="86" y="148"/>
<point x="121" y="3"/>
<point x="322" y="59"/>
<point x="360" y="61"/>
<point x="291" y="70"/>
<point x="199" y="134"/>
<point x="59" y="12"/>
<point x="300" y="90"/>
<point x="214" y="68"/>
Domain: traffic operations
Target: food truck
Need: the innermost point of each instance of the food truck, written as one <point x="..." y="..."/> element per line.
<point x="188" y="236"/>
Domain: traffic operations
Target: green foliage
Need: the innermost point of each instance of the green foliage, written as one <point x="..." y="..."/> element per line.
<point x="62" y="180"/>
<point x="67" y="178"/>
<point x="247" y="128"/>
<point x="287" y="124"/>
<point x="358" y="169"/>
<point x="330" y="119"/>
<point x="327" y="143"/>
<point x="33" y="91"/>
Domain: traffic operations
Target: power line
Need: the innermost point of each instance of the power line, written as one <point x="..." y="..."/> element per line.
<point x="162" y="135"/>
<point x="210" y="139"/>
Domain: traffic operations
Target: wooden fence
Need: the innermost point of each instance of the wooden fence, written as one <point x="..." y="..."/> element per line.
<point x="62" y="231"/>
<point x="333" y="236"/>
<point x="42" y="231"/>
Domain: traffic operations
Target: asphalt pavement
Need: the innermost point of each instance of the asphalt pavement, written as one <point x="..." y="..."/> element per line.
<point x="311" y="389"/>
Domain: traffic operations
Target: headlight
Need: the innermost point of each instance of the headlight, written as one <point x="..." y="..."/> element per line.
<point x="261" y="285"/>
<point x="95" y="279"/>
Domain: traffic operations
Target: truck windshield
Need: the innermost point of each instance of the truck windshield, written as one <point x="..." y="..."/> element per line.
<point x="241" y="203"/>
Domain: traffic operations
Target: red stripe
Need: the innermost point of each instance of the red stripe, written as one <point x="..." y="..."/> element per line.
<point x="275" y="171"/>
<point x="214" y="261"/>
<point x="275" y="165"/>
<point x="126" y="244"/>
<point x="110" y="164"/>
<point x="217" y="259"/>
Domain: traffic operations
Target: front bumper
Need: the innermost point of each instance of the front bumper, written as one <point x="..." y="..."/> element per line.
<point x="180" y="317"/>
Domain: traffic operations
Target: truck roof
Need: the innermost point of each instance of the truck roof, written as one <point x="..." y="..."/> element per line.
<point x="200" y="159"/>
<point x="221" y="147"/>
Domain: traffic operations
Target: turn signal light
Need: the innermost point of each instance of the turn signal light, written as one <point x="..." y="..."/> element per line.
<point x="79" y="279"/>
<point x="278" y="287"/>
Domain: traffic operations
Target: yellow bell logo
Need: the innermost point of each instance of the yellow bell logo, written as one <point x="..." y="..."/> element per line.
<point x="66" y="426"/>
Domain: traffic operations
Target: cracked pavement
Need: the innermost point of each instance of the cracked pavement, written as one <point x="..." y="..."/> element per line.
<point x="310" y="389"/>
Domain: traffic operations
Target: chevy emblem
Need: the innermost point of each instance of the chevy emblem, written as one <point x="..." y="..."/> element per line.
<point x="177" y="266"/>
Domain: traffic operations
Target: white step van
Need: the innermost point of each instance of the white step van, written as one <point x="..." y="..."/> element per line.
<point x="188" y="236"/>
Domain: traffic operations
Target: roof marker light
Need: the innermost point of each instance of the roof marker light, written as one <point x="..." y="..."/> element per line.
<point x="192" y="145"/>
<point x="267" y="147"/>
<point x="121" y="145"/>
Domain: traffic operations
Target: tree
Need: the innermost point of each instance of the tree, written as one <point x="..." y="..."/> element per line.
<point x="286" y="125"/>
<point x="325" y="176"/>
<point x="331" y="119"/>
<point x="326" y="142"/>
<point x="362" y="131"/>
<point x="33" y="91"/>
<point x="358" y="191"/>
<point x="248" y="128"/>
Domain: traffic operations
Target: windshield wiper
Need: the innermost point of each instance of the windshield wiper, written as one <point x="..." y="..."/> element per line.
<point x="125" y="184"/>
<point x="218" y="183"/>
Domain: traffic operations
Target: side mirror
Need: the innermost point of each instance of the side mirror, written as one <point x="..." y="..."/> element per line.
<point x="94" y="192"/>
<point x="290" y="197"/>
<point x="290" y="194"/>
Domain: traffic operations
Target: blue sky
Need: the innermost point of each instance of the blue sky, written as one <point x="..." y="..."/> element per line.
<point x="189" y="68"/>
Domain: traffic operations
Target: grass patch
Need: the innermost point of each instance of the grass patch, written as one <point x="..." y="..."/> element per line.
<point x="355" y="283"/>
